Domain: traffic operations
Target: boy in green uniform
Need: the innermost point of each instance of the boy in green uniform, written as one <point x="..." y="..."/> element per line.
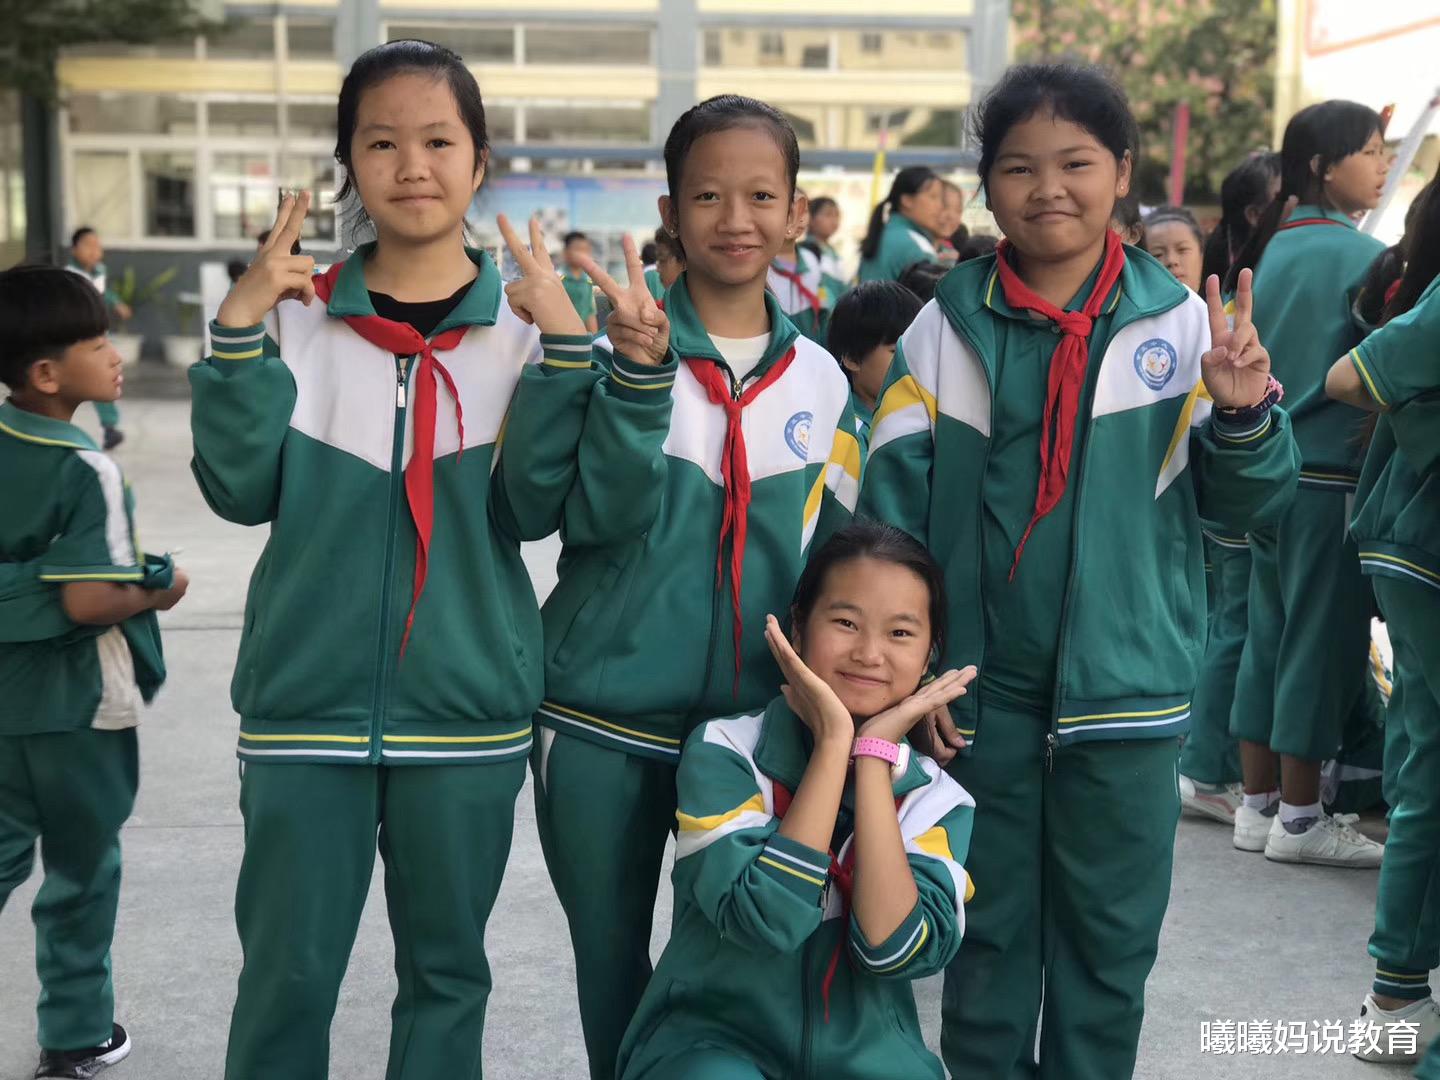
<point x="863" y="332"/>
<point x="87" y="259"/>
<point x="79" y="655"/>
<point x="579" y="287"/>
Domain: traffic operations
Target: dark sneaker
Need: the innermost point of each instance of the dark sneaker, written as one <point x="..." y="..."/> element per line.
<point x="83" y="1064"/>
<point x="113" y="437"/>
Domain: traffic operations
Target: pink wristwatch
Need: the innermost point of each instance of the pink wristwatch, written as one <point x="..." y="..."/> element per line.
<point x="896" y="754"/>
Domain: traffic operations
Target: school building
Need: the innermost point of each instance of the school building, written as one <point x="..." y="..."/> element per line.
<point x="175" y="151"/>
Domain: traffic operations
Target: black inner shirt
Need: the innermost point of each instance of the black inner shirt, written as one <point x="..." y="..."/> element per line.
<point x="424" y="315"/>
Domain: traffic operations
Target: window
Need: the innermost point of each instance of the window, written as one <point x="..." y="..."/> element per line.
<point x="243" y="194"/>
<point x="768" y="48"/>
<point x="310" y="39"/>
<point x="477" y="44"/>
<point x="872" y="50"/>
<point x="587" y="45"/>
<point x="168" y="186"/>
<point x="587" y="123"/>
<point x="872" y="44"/>
<point x="309" y="120"/>
<point x="244" y="118"/>
<point x="807" y="120"/>
<point x="907" y="127"/>
<point x="181" y="48"/>
<point x="316" y="174"/>
<point x="131" y="114"/>
<point x="713" y="48"/>
<point x="247" y="39"/>
<point x="772" y="46"/>
<point x="500" y="123"/>
<point x="100" y="191"/>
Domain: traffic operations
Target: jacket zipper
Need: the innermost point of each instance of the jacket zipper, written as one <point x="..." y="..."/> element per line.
<point x="397" y="487"/>
<point x="805" y="1009"/>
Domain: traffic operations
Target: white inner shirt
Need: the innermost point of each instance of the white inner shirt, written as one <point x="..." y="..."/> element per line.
<point x="744" y="354"/>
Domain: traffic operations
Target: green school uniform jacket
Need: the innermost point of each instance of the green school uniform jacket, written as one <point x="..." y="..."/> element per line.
<point x="302" y="425"/>
<point x="581" y="292"/>
<point x="1152" y="463"/>
<point x="653" y="283"/>
<point x="98" y="278"/>
<point x="1397" y="520"/>
<point x="69" y="516"/>
<point x="639" y="641"/>
<point x="758" y="919"/>
<point x="901" y="243"/>
<point x="1305" y="290"/>
<point x="804" y="302"/>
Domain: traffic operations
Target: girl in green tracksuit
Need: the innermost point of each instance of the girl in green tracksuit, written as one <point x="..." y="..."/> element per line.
<point x="1305" y="663"/>
<point x="1056" y="424"/>
<point x="718" y="446"/>
<point x="904" y="227"/>
<point x="818" y="862"/>
<point x="391" y="657"/>
<point x="1396" y="370"/>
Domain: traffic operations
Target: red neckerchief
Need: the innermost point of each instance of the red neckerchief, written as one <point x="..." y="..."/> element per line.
<point x="793" y="276"/>
<point x="842" y="876"/>
<point x="1311" y="221"/>
<point x="402" y="339"/>
<point x="1067" y="371"/>
<point x="735" y="469"/>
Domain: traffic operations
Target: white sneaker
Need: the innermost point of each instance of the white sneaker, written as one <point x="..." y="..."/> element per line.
<point x="1331" y="841"/>
<point x="1218" y="802"/>
<point x="1252" y="827"/>
<point x="1402" y="1035"/>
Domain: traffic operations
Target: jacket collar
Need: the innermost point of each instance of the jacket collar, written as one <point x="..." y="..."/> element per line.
<point x="690" y="340"/>
<point x="783" y="751"/>
<point x="1312" y="211"/>
<point x="478" y="307"/>
<point x="45" y="430"/>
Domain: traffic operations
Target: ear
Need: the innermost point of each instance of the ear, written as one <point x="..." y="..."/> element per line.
<point x="44" y="377"/>
<point x="480" y="166"/>
<point x="848" y="364"/>
<point x="1315" y="165"/>
<point x="1123" y="170"/>
<point x="668" y="217"/>
<point x="799" y="207"/>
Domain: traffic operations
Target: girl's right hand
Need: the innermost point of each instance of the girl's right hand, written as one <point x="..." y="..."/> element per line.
<point x="809" y="695"/>
<point x="275" y="274"/>
<point x="636" y="327"/>
<point x="538" y="297"/>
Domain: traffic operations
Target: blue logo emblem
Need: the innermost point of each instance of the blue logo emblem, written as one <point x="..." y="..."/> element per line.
<point x="1155" y="363"/>
<point x="797" y="434"/>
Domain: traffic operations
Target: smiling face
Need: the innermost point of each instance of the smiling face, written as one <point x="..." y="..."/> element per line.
<point x="733" y="205"/>
<point x="413" y="159"/>
<point x="868" y="635"/>
<point x="1053" y="187"/>
<point x="1174" y="243"/>
<point x="926" y="207"/>
<point x="1354" y="183"/>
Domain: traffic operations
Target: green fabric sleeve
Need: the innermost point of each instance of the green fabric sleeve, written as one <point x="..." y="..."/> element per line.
<point x="1416" y="426"/>
<point x="1245" y="475"/>
<point x="1401" y="360"/>
<point x="621" y="463"/>
<point x="759" y="889"/>
<point x="30" y="609"/>
<point x="242" y="397"/>
<point x="902" y="453"/>
<point x="537" y="463"/>
<point x="95" y="541"/>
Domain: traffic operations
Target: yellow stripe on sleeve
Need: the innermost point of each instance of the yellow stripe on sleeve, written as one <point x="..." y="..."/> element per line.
<point x="689" y="823"/>
<point x="901" y="395"/>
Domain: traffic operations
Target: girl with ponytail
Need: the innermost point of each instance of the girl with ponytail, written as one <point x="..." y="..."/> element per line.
<point x="903" y="228"/>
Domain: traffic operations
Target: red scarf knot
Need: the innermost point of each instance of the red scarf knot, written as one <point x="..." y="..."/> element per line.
<point x="1067" y="372"/>
<point x="735" y="471"/>
<point x="402" y="339"/>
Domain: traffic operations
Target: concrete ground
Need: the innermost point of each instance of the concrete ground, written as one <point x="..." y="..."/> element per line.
<point x="1245" y="939"/>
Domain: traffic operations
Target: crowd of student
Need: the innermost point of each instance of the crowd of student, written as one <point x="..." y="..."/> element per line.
<point x="899" y="640"/>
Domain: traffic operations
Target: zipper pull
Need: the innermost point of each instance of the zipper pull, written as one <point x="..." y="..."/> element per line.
<point x="1052" y="743"/>
<point x="404" y="366"/>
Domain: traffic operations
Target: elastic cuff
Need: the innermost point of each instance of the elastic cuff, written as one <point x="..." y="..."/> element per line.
<point x="159" y="572"/>
<point x="567" y="351"/>
<point x="237" y="342"/>
<point x="803" y="870"/>
<point x="642" y="382"/>
<point x="1250" y="432"/>
<point x="896" y="952"/>
<point x="1397" y="982"/>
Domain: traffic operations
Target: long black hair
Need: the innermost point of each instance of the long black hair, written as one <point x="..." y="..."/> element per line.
<point x="44" y="310"/>
<point x="1316" y="138"/>
<point x="908" y="181"/>
<point x="404" y="57"/>
<point x="722" y="113"/>
<point x="1245" y="189"/>
<point x="1421" y="249"/>
<point x="867" y="539"/>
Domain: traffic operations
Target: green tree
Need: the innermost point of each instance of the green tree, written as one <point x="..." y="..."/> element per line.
<point x="35" y="33"/>
<point x="1217" y="56"/>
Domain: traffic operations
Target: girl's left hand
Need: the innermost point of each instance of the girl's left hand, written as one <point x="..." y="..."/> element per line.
<point x="538" y="297"/>
<point x="637" y="327"/>
<point x="1236" y="370"/>
<point x="894" y="723"/>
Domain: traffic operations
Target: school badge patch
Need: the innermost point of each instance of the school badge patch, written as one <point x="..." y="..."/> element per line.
<point x="797" y="434"/>
<point x="1155" y="363"/>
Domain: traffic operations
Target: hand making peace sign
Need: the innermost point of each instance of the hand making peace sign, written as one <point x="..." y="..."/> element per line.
<point x="275" y="274"/>
<point x="637" y="327"/>
<point x="1236" y="370"/>
<point x="538" y="297"/>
